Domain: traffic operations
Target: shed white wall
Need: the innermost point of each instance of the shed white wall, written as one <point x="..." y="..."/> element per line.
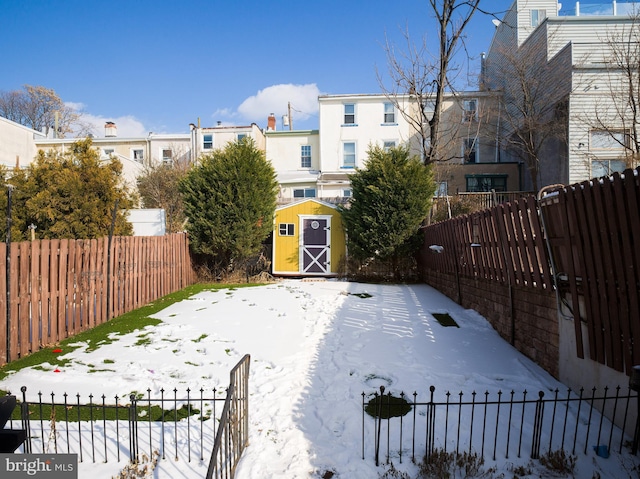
<point x="148" y="222"/>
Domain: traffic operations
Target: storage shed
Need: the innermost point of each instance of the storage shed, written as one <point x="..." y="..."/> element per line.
<point x="308" y="239"/>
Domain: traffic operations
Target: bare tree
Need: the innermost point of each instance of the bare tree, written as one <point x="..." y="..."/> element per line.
<point x="158" y="187"/>
<point x="39" y="108"/>
<point x="534" y="110"/>
<point x="11" y="106"/>
<point x="426" y="78"/>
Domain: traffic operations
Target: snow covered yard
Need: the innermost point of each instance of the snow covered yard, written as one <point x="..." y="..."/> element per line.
<point x="315" y="347"/>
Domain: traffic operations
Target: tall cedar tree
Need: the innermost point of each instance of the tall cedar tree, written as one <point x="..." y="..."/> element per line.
<point x="391" y="198"/>
<point x="69" y="195"/>
<point x="229" y="200"/>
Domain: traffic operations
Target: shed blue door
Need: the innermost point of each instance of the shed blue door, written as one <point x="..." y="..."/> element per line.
<point x="316" y="255"/>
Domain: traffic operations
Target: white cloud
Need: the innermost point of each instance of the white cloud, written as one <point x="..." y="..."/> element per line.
<point x="75" y="105"/>
<point x="224" y="113"/>
<point x="127" y="126"/>
<point x="274" y="99"/>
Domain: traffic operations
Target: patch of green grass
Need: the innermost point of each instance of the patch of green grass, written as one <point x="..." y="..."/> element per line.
<point x="108" y="361"/>
<point x="143" y="340"/>
<point x="200" y="338"/>
<point x="108" y="332"/>
<point x="387" y="406"/>
<point x="85" y="412"/>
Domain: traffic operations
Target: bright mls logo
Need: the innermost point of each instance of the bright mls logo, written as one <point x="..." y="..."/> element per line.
<point x="49" y="466"/>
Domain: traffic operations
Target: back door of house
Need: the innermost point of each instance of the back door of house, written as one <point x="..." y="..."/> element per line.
<point x="315" y="245"/>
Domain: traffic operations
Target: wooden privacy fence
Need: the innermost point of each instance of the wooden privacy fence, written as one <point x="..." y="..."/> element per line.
<point x="580" y="240"/>
<point x="503" y="244"/>
<point x="55" y="289"/>
<point x="594" y="235"/>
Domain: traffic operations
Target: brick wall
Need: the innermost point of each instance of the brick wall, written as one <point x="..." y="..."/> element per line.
<point x="535" y="313"/>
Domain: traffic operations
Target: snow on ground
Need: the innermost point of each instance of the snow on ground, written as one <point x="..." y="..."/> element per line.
<point x="315" y="347"/>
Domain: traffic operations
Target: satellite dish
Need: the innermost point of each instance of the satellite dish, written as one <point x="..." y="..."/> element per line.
<point x="496" y="22"/>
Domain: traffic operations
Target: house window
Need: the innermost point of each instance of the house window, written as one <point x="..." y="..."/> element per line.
<point x="389" y="113"/>
<point x="470" y="110"/>
<point x="138" y="155"/>
<point x="480" y="183"/>
<point x="286" y="229"/>
<point x="537" y="16"/>
<point x="606" y="167"/>
<point x="167" y="155"/>
<point x="108" y="151"/>
<point x="387" y="145"/>
<point x="207" y="142"/>
<point x="470" y="150"/>
<point x="349" y="114"/>
<point x="608" y="139"/>
<point x="349" y="155"/>
<point x="442" y="189"/>
<point x="305" y="156"/>
<point x="428" y="107"/>
<point x="240" y="136"/>
<point x="347" y="193"/>
<point x="304" y="193"/>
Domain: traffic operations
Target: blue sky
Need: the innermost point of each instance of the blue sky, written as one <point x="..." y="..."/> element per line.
<point x="160" y="65"/>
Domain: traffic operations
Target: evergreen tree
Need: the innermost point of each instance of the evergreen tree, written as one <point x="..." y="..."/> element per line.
<point x="229" y="200"/>
<point x="391" y="198"/>
<point x="69" y="195"/>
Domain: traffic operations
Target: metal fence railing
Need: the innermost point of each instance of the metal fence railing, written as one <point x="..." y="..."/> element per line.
<point x="233" y="431"/>
<point x="102" y="429"/>
<point x="188" y="426"/>
<point x="502" y="425"/>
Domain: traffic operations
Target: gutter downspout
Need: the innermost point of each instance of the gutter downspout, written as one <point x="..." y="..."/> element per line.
<point x="8" y="272"/>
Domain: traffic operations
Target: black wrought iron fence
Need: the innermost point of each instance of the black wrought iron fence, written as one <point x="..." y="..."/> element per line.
<point x="105" y="429"/>
<point x="502" y="424"/>
<point x="233" y="432"/>
<point x="184" y="426"/>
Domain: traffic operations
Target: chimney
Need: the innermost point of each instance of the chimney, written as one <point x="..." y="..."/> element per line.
<point x="110" y="130"/>
<point x="271" y="122"/>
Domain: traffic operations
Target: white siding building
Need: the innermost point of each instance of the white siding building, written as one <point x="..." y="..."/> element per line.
<point x="568" y="53"/>
<point x="295" y="155"/>
<point x="349" y="125"/>
<point x="17" y="144"/>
